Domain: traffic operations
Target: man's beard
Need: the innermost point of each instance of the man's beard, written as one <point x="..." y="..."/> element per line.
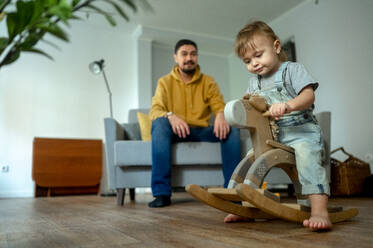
<point x="189" y="71"/>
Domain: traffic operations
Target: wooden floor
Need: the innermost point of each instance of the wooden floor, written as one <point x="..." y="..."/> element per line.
<point x="93" y="221"/>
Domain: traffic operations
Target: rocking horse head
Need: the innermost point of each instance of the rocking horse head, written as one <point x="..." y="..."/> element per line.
<point x="250" y="113"/>
<point x="246" y="112"/>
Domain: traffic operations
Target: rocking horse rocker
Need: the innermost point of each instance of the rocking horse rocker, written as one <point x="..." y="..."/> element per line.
<point x="245" y="183"/>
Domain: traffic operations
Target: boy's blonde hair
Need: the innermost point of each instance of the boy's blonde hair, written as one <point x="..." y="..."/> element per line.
<point x="244" y="38"/>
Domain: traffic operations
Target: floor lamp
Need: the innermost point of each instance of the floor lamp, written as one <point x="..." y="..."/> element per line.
<point x="96" y="67"/>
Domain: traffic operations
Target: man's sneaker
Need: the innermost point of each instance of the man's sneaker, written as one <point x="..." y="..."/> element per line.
<point x="160" y="201"/>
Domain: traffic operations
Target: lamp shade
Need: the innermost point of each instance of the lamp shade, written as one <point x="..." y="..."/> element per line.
<point x="96" y="66"/>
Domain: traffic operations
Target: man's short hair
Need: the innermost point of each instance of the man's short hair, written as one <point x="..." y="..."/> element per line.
<point x="184" y="42"/>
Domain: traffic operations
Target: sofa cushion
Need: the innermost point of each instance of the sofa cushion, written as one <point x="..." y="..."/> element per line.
<point x="131" y="131"/>
<point x="145" y="126"/>
<point x="132" y="114"/>
<point x="138" y="153"/>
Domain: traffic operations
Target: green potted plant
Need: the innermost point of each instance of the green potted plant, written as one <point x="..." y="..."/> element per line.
<point x="28" y="21"/>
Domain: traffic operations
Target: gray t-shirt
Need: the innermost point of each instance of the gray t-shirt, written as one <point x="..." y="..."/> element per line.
<point x="296" y="78"/>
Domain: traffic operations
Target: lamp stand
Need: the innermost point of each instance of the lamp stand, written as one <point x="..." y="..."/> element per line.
<point x="109" y="92"/>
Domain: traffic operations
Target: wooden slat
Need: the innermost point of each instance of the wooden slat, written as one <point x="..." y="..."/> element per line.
<point x="225" y="194"/>
<point x="226" y="206"/>
<point x="231" y="194"/>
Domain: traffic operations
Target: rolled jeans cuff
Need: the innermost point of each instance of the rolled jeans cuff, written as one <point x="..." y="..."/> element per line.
<point x="318" y="189"/>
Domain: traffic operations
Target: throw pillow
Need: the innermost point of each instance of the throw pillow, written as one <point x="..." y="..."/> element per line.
<point x="145" y="126"/>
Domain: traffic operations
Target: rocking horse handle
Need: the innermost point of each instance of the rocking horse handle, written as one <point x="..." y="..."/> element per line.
<point x="267" y="114"/>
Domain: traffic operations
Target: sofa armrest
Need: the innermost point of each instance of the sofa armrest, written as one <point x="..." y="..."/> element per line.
<point x="113" y="132"/>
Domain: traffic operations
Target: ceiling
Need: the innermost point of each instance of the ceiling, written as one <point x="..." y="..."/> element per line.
<point x="211" y="19"/>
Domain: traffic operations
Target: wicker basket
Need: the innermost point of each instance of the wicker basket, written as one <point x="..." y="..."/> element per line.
<point x="348" y="176"/>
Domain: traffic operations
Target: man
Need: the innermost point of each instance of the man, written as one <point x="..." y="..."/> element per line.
<point x="181" y="109"/>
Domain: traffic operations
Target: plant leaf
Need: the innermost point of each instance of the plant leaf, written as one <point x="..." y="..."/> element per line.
<point x="25" y="11"/>
<point x="3" y="43"/>
<point x="3" y="4"/>
<point x="50" y="3"/>
<point x="75" y="2"/>
<point x="38" y="51"/>
<point x="108" y="17"/>
<point x="54" y="30"/>
<point x="11" y="57"/>
<point x="18" y="20"/>
<point x="111" y="20"/>
<point x="51" y="44"/>
<point x="119" y="9"/>
<point x="38" y="11"/>
<point x="11" y="25"/>
<point x="130" y="4"/>
<point x="30" y="41"/>
<point x="63" y="10"/>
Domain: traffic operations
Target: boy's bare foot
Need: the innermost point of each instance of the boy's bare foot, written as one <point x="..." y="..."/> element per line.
<point x="236" y="218"/>
<point x="319" y="219"/>
<point x="318" y="222"/>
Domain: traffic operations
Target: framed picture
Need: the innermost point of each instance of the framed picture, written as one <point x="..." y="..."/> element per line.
<point x="289" y="49"/>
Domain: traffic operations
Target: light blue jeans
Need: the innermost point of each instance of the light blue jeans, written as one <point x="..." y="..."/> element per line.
<point x="302" y="133"/>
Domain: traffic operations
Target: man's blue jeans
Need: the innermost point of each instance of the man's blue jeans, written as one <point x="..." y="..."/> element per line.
<point x="163" y="137"/>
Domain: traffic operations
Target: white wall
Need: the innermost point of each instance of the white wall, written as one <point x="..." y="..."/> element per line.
<point x="334" y="41"/>
<point x="162" y="61"/>
<point x="238" y="77"/>
<point x="217" y="67"/>
<point x="143" y="68"/>
<point x="42" y="98"/>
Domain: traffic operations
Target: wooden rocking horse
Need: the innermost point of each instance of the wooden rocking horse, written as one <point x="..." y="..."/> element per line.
<point x="245" y="183"/>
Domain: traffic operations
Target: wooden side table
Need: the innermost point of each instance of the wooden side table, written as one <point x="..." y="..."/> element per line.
<point x="66" y="166"/>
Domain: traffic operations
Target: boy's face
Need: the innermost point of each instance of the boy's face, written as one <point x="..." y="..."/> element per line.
<point x="187" y="58"/>
<point x="262" y="57"/>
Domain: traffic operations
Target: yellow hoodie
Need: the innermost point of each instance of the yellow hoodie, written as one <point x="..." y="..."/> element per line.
<point x="192" y="101"/>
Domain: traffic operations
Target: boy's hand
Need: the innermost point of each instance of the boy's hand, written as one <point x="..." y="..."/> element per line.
<point x="303" y="101"/>
<point x="277" y="110"/>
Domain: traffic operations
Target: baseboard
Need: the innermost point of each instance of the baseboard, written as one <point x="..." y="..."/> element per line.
<point x="16" y="194"/>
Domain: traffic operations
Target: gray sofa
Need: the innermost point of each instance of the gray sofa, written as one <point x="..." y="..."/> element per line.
<point x="129" y="158"/>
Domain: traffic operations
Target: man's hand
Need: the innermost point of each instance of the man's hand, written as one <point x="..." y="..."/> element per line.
<point x="179" y="126"/>
<point x="221" y="126"/>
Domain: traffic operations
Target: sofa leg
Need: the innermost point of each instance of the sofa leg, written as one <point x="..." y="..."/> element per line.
<point x="120" y="196"/>
<point x="132" y="194"/>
